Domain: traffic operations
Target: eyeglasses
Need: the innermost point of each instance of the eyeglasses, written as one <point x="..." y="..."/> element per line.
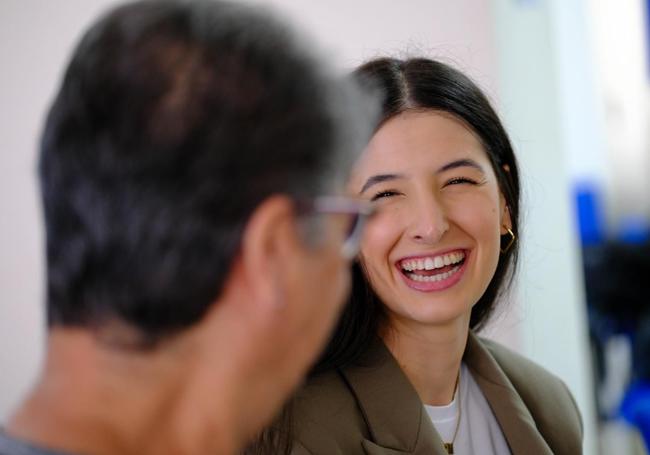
<point x="358" y="213"/>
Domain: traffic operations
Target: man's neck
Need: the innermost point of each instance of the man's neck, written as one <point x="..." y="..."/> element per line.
<point x="93" y="399"/>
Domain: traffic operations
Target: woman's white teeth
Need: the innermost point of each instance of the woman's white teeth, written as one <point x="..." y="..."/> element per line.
<point x="434" y="278"/>
<point x="432" y="263"/>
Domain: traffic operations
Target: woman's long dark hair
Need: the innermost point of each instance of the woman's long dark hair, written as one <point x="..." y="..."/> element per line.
<point x="421" y="84"/>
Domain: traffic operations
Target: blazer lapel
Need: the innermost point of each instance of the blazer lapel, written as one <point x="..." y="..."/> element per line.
<point x="516" y="422"/>
<point x="396" y="419"/>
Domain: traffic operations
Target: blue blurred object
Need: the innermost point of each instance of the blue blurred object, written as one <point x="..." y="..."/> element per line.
<point x="590" y="216"/>
<point x="635" y="408"/>
<point x="634" y="230"/>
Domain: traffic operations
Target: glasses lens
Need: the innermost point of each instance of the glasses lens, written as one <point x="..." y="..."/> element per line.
<point x="353" y="225"/>
<point x="350" y="246"/>
<point x="355" y="212"/>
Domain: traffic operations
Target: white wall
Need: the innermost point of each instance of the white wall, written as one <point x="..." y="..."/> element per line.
<point x="459" y="31"/>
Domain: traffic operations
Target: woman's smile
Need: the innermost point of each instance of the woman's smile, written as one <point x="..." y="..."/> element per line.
<point x="435" y="272"/>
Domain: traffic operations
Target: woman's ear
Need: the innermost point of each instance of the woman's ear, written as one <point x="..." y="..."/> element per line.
<point x="506" y="220"/>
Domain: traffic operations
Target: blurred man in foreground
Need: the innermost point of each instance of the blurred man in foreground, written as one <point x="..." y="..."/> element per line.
<point x="196" y="259"/>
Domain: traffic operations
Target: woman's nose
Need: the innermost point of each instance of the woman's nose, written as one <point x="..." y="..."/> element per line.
<point x="428" y="221"/>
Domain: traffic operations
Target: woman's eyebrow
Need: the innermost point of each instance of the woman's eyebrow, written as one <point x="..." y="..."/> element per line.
<point x="461" y="163"/>
<point x="375" y="179"/>
<point x="379" y="178"/>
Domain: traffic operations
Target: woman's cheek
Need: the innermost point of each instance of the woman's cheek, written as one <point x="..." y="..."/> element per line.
<point x="380" y="233"/>
<point x="479" y="213"/>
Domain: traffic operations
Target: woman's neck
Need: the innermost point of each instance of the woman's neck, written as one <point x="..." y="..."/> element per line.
<point x="430" y="356"/>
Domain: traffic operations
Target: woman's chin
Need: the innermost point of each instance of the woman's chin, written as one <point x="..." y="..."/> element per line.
<point x="449" y="315"/>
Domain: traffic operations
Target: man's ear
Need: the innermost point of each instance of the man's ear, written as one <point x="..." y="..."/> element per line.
<point x="269" y="243"/>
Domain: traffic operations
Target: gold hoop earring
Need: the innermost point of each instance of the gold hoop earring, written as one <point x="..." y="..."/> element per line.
<point x="511" y="242"/>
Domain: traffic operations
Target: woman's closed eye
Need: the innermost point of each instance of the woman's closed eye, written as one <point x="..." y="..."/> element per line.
<point x="464" y="180"/>
<point x="384" y="194"/>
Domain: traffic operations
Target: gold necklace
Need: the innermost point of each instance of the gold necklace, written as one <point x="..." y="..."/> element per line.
<point x="449" y="446"/>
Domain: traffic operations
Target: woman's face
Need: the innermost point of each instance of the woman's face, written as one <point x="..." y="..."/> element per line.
<point x="433" y="248"/>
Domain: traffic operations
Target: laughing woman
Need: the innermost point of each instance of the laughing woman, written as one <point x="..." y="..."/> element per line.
<point x="405" y="371"/>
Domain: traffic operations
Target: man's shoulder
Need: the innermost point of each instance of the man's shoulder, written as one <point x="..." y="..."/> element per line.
<point x="13" y="446"/>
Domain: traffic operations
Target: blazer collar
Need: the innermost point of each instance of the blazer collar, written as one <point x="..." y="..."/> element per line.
<point x="397" y="421"/>
<point x="391" y="407"/>
<point x="514" y="418"/>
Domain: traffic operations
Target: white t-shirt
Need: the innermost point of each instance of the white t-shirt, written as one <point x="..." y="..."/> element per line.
<point x="479" y="431"/>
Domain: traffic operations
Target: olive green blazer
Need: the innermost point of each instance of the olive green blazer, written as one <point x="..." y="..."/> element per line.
<point x="373" y="409"/>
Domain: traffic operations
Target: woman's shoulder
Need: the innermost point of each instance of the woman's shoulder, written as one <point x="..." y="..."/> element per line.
<point x="516" y="366"/>
<point x="526" y="375"/>
<point x="324" y="398"/>
<point x="326" y="418"/>
<point x="545" y="395"/>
